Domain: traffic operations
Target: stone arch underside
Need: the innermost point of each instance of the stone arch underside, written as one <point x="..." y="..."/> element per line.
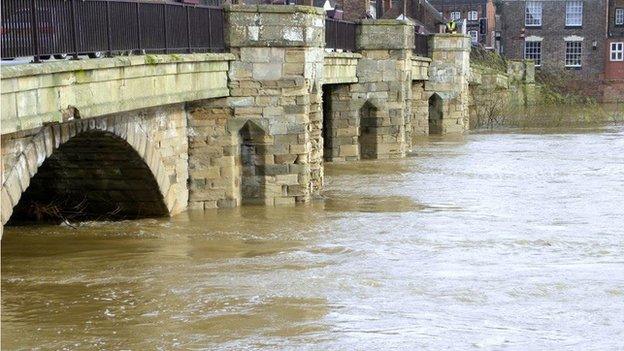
<point x="103" y="168"/>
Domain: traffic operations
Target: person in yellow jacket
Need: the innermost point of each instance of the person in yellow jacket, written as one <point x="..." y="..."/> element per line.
<point x="451" y="27"/>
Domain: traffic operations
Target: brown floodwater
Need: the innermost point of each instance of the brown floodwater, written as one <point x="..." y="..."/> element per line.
<point x="488" y="241"/>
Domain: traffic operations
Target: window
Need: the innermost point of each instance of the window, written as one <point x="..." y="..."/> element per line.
<point x="474" y="36"/>
<point x="533" y="51"/>
<point x="619" y="17"/>
<point x="573" y="53"/>
<point x="472" y="15"/>
<point x="533" y="14"/>
<point x="617" y="51"/>
<point x="455" y="15"/>
<point x="574" y="13"/>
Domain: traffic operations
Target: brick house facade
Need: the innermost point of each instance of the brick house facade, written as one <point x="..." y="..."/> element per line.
<point x="560" y="35"/>
<point x="614" y="56"/>
<point x="474" y="11"/>
<point x="420" y="11"/>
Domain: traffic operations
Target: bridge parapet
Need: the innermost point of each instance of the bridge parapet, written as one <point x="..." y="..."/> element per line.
<point x="341" y="68"/>
<point x="33" y="95"/>
<point x="420" y="68"/>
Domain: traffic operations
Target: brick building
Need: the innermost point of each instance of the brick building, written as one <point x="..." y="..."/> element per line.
<point x="559" y="35"/>
<point x="614" y="58"/>
<point x="420" y="11"/>
<point x="480" y="17"/>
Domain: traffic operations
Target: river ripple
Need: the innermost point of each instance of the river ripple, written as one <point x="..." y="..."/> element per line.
<point x="494" y="241"/>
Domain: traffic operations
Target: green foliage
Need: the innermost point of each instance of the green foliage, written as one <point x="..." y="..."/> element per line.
<point x="488" y="59"/>
<point x="561" y="87"/>
<point x="176" y="57"/>
<point x="562" y="100"/>
<point x="151" y="60"/>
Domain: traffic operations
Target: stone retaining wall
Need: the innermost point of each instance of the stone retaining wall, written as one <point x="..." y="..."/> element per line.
<point x="493" y="92"/>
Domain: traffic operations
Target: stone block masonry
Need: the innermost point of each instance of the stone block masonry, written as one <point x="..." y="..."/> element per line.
<point x="370" y="119"/>
<point x="253" y="126"/>
<point x="262" y="145"/>
<point x="448" y="80"/>
<point x="134" y="164"/>
<point x="495" y="92"/>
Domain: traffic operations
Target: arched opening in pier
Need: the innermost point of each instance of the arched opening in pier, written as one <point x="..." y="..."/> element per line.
<point x="367" y="138"/>
<point x="327" y="132"/>
<point x="436" y="114"/>
<point x="95" y="175"/>
<point x="253" y="141"/>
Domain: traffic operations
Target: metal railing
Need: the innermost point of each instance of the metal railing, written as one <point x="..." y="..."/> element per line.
<point x="41" y="28"/>
<point x="421" y="44"/>
<point x="340" y="35"/>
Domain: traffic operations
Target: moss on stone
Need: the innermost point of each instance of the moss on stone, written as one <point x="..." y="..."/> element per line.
<point x="151" y="60"/>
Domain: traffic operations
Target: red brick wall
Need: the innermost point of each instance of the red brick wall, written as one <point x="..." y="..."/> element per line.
<point x="613" y="69"/>
<point x="353" y="9"/>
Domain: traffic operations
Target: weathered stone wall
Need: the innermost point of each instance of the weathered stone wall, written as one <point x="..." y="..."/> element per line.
<point x="157" y="136"/>
<point x="494" y="93"/>
<point x="369" y="119"/>
<point x="419" y="124"/>
<point x="420" y="109"/>
<point x="384" y="87"/>
<point x="420" y="68"/>
<point x="448" y="78"/>
<point x="263" y="144"/>
<point x="340" y="67"/>
<point x="341" y="124"/>
<point x="59" y="91"/>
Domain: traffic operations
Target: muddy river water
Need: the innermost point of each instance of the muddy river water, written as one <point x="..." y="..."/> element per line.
<point x="489" y="241"/>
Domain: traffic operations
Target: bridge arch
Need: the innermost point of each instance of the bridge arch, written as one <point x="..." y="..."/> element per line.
<point x="106" y="166"/>
<point x="436" y="114"/>
<point x="368" y="131"/>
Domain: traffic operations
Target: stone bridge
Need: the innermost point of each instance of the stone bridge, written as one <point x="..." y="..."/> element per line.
<point x="155" y="135"/>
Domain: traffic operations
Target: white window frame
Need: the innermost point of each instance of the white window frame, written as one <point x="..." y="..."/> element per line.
<point x="455" y="15"/>
<point x="535" y="54"/>
<point x="474" y="36"/>
<point x="574" y="54"/>
<point x="574" y="13"/>
<point x="473" y="15"/>
<point x="619" y="17"/>
<point x="533" y="14"/>
<point x="617" y="51"/>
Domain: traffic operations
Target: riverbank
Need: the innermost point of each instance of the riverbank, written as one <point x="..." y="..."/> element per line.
<point x="507" y="93"/>
<point x="550" y="116"/>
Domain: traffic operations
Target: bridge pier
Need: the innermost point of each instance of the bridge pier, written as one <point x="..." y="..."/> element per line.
<point x="448" y="78"/>
<point x="370" y="119"/>
<point x="262" y="143"/>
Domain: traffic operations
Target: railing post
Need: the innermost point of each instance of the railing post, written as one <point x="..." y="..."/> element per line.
<point x="34" y="31"/>
<point x="336" y="36"/>
<point x="109" y="40"/>
<point x="209" y="30"/>
<point x="165" y="26"/>
<point x="74" y="24"/>
<point x="138" y="19"/>
<point x="188" y="29"/>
